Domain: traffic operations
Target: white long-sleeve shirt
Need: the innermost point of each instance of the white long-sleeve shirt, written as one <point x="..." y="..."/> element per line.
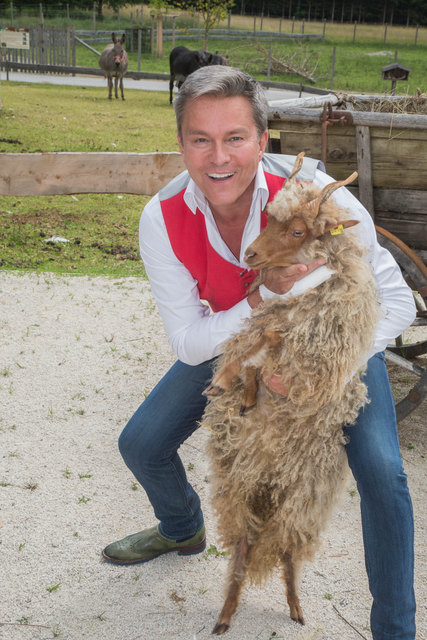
<point x="195" y="334"/>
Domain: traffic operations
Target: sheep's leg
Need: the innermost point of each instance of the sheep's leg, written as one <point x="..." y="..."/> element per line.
<point x="253" y="358"/>
<point x="250" y="391"/>
<point x="237" y="577"/>
<point x="290" y="574"/>
<point x="224" y="377"/>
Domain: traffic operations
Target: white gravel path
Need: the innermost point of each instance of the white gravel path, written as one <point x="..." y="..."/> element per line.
<point x="77" y="356"/>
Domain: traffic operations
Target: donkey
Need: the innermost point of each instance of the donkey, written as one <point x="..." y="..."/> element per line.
<point x="114" y="63"/>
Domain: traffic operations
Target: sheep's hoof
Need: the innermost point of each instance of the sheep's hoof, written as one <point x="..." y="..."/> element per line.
<point x="298" y="618"/>
<point x="213" y="390"/>
<point x="220" y="628"/>
<point x="245" y="408"/>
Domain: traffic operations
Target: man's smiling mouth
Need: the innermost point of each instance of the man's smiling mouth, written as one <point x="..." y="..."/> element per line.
<point x="220" y="176"/>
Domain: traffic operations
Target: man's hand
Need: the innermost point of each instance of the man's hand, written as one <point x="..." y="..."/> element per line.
<point x="282" y="279"/>
<point x="274" y="383"/>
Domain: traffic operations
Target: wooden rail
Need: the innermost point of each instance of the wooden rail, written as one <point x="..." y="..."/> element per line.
<point x="41" y="174"/>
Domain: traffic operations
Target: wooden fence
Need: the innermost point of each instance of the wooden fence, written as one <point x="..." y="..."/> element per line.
<point x="47" y="46"/>
<point x="41" y="174"/>
<point x="57" y="46"/>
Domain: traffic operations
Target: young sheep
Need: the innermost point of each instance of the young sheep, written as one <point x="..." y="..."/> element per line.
<point x="278" y="467"/>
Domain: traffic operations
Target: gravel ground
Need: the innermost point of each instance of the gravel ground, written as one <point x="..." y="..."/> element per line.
<point x="77" y="356"/>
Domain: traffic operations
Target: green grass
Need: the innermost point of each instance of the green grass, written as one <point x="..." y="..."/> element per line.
<point x="102" y="229"/>
<point x="102" y="234"/>
<point x="53" y="118"/>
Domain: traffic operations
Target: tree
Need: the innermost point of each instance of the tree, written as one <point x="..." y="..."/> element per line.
<point x="212" y="12"/>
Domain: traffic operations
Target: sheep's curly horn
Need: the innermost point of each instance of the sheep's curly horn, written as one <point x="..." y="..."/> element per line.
<point x="295" y="169"/>
<point x="327" y="191"/>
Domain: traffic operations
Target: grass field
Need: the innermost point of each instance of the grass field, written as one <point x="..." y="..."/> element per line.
<point x="357" y="65"/>
<point x="102" y="230"/>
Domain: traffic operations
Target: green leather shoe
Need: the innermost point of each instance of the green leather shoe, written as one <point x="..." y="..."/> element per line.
<point x="148" y="544"/>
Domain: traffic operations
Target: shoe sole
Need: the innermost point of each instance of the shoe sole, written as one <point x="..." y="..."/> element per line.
<point x="182" y="551"/>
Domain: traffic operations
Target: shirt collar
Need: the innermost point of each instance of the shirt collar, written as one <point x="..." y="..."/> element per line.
<point x="195" y="199"/>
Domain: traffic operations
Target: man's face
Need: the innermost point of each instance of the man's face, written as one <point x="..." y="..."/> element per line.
<point x="221" y="149"/>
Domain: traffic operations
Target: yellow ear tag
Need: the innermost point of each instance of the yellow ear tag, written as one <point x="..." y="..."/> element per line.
<point x="336" y="230"/>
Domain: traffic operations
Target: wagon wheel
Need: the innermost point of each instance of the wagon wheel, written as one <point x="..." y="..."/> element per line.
<point x="415" y="273"/>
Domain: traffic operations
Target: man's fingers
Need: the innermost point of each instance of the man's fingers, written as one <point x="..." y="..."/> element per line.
<point x="281" y="279"/>
<point x="318" y="262"/>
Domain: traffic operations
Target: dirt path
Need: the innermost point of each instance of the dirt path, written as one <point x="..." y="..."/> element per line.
<point x="77" y="355"/>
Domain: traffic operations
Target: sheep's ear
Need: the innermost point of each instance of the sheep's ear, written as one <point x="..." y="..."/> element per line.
<point x="295" y="169"/>
<point x="314" y="205"/>
<point x="336" y="229"/>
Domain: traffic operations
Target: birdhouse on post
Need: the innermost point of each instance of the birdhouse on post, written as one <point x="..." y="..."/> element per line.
<point x="395" y="72"/>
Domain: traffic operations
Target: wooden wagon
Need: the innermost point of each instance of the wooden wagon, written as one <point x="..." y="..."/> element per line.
<point x="39" y="174"/>
<point x="388" y="149"/>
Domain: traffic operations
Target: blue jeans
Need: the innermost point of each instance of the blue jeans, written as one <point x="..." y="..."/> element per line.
<point x="170" y="414"/>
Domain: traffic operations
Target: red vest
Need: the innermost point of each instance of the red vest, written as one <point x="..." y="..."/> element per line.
<point x="220" y="282"/>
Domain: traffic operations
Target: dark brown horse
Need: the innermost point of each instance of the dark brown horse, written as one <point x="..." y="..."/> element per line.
<point x="114" y="63"/>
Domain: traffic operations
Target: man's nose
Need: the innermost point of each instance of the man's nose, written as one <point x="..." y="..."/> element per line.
<point x="220" y="153"/>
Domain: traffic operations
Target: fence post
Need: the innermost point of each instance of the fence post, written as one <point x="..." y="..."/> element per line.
<point x="11" y="14"/>
<point x="229" y="20"/>
<point x="269" y="59"/>
<point x="41" y="14"/>
<point x="159" y="35"/>
<point x="173" y="31"/>
<point x="118" y="18"/>
<point x="152" y="35"/>
<point x="139" y="48"/>
<point x="67" y="47"/>
<point x="293" y="23"/>
<point x="354" y="31"/>
<point x="416" y="35"/>
<point x="94" y="16"/>
<point x="254" y="26"/>
<point x="385" y="32"/>
<point x="324" y="27"/>
<point x="331" y="83"/>
<point x="302" y="27"/>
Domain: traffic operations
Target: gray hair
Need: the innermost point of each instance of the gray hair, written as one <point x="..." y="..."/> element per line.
<point x="223" y="82"/>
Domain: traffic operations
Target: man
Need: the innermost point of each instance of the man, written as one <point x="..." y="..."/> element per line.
<point x="193" y="235"/>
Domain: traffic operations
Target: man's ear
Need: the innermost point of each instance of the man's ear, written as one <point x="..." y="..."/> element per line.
<point x="181" y="146"/>
<point x="263" y="143"/>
